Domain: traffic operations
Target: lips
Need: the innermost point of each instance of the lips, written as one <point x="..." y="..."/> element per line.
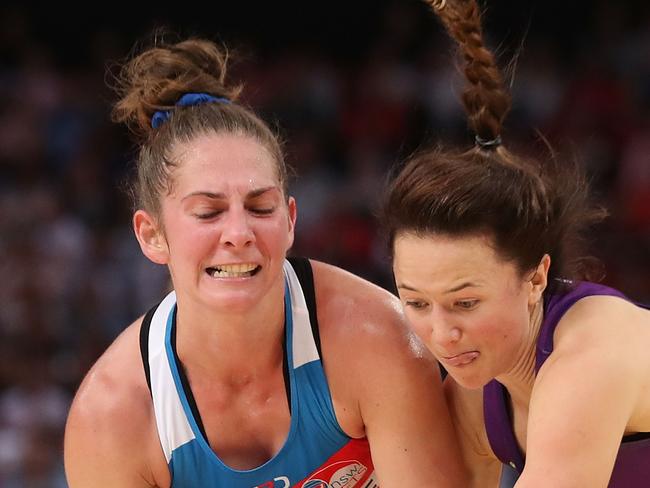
<point x="461" y="359"/>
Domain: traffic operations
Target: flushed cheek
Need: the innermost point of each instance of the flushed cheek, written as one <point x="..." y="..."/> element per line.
<point x="502" y="346"/>
<point x="185" y="233"/>
<point x="191" y="251"/>
<point x="196" y="242"/>
<point x="275" y="236"/>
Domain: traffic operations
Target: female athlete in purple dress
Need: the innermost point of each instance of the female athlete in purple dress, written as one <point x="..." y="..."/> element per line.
<point x="549" y="373"/>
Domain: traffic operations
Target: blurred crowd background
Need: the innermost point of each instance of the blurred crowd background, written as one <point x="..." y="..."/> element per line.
<point x="352" y="87"/>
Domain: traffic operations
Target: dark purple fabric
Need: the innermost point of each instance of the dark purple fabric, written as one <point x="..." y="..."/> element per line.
<point x="498" y="425"/>
<point x="632" y="467"/>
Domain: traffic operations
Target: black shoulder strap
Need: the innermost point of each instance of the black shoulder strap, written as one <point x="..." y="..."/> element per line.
<point x="303" y="270"/>
<point x="144" y="343"/>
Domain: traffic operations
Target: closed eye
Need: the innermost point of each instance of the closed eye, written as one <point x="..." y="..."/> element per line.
<point x="262" y="210"/>
<point x="207" y="215"/>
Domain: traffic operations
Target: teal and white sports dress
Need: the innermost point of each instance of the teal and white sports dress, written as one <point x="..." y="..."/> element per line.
<point x="316" y="453"/>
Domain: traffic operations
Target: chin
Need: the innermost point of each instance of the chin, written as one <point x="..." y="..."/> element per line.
<point x="470" y="382"/>
<point x="234" y="302"/>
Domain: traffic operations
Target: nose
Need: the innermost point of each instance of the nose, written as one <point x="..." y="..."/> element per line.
<point x="236" y="231"/>
<point x="444" y="331"/>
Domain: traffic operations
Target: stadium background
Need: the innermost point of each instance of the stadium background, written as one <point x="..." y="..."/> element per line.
<point x="352" y="86"/>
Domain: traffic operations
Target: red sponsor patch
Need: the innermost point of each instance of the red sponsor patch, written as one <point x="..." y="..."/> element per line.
<point x="350" y="467"/>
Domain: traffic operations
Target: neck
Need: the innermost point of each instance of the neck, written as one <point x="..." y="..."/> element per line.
<point x="233" y="346"/>
<point x="519" y="380"/>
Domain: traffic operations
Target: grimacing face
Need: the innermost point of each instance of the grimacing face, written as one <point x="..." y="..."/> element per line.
<point x="226" y="224"/>
<point x="469" y="306"/>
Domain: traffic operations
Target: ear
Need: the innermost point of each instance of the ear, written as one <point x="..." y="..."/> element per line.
<point x="151" y="239"/>
<point x="293" y="213"/>
<point x="539" y="280"/>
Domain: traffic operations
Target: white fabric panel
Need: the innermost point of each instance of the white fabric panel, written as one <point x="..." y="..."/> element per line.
<point x="174" y="429"/>
<point x="304" y="347"/>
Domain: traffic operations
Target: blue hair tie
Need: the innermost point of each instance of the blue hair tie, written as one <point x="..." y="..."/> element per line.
<point x="161" y="116"/>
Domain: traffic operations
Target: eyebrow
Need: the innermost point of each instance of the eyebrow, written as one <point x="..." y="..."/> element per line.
<point x="462" y="286"/>
<point x="405" y="287"/>
<point x="222" y="196"/>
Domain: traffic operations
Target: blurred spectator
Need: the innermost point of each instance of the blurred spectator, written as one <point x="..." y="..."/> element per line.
<point x="348" y="104"/>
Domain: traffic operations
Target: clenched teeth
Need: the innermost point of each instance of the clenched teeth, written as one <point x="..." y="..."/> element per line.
<point x="233" y="270"/>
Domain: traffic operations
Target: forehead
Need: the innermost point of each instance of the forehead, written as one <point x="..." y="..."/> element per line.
<point x="223" y="162"/>
<point x="439" y="260"/>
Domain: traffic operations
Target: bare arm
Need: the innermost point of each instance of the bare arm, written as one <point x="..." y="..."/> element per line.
<point x="106" y="435"/>
<point x="393" y="380"/>
<point x="585" y="395"/>
<point x="466" y="408"/>
<point x="407" y="422"/>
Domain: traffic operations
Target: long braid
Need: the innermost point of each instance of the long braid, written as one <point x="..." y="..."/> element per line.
<point x="527" y="207"/>
<point x="486" y="100"/>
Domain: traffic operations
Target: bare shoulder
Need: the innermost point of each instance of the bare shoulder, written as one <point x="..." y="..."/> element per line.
<point x="368" y="349"/>
<point x="605" y="323"/>
<point x="110" y="424"/>
<point x="359" y="316"/>
<point x="352" y="307"/>
<point x="116" y="379"/>
<point x="385" y="383"/>
<point x="600" y="340"/>
<point x="609" y="313"/>
<point x="591" y="389"/>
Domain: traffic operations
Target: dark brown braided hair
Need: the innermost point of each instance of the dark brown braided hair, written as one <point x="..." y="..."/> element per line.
<point x="529" y="208"/>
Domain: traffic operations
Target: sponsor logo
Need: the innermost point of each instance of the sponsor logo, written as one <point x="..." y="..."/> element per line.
<point x="279" y="482"/>
<point x="315" y="484"/>
<point x="342" y="474"/>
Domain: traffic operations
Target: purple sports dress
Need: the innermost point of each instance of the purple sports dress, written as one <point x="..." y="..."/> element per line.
<point x="632" y="467"/>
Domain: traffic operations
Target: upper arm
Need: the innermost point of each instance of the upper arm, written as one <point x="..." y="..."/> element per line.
<point x="583" y="397"/>
<point x="466" y="409"/>
<point x="405" y="415"/>
<point x="406" y="418"/>
<point x="107" y="431"/>
<point x="380" y="371"/>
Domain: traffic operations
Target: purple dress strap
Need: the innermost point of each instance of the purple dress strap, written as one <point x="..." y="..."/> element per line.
<point x="555" y="306"/>
<point x="498" y="426"/>
<point x="632" y="467"/>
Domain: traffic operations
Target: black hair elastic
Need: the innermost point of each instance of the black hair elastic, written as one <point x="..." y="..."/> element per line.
<point x="489" y="145"/>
